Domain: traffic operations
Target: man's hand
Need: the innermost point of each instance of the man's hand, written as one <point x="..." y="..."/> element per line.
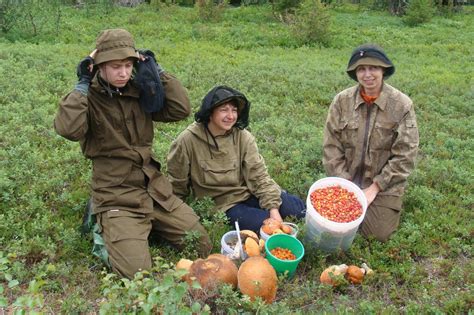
<point x="371" y="192"/>
<point x="143" y="54"/>
<point x="275" y="214"/>
<point x="86" y="70"/>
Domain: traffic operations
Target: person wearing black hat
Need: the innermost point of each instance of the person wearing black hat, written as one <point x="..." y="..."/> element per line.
<point x="131" y="198"/>
<point x="371" y="138"/>
<point x="217" y="157"/>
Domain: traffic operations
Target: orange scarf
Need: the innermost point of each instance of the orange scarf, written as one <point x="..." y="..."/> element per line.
<point x="369" y="100"/>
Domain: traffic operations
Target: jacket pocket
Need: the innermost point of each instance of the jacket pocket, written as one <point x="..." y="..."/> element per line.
<point x="349" y="131"/>
<point x="125" y="225"/>
<point x="383" y="136"/>
<point x="161" y="190"/>
<point x="110" y="172"/>
<point x="411" y="131"/>
<point x="220" y="172"/>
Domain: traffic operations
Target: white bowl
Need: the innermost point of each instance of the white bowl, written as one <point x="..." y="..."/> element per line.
<point x="293" y="226"/>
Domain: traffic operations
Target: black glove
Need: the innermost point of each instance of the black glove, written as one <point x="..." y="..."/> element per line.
<point x="146" y="53"/>
<point x="84" y="74"/>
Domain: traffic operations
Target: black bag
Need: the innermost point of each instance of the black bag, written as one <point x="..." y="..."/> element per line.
<point x="147" y="78"/>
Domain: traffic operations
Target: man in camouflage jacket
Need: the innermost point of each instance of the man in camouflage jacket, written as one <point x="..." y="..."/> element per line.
<point x="131" y="197"/>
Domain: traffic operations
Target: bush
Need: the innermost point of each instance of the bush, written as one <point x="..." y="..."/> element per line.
<point x="208" y="10"/>
<point x="419" y="12"/>
<point x="9" y="13"/>
<point x="284" y="10"/>
<point x="312" y="23"/>
<point x="30" y="18"/>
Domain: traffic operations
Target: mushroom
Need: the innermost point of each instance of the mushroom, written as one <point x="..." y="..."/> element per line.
<point x="270" y="225"/>
<point x="367" y="269"/>
<point x="216" y="268"/>
<point x="330" y="274"/>
<point x="278" y="231"/>
<point x="286" y="229"/>
<point x="251" y="247"/>
<point x="257" y="278"/>
<point x="184" y="264"/>
<point x="248" y="233"/>
<point x="355" y="274"/>
<point x="261" y="244"/>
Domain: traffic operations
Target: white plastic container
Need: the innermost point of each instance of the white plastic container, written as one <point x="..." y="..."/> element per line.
<point x="327" y="235"/>
<point x="229" y="241"/>
<point x="293" y="226"/>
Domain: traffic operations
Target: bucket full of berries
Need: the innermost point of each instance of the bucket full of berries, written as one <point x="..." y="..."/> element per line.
<point x="335" y="207"/>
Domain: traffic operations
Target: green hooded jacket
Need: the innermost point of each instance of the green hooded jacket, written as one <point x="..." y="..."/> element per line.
<point x="229" y="173"/>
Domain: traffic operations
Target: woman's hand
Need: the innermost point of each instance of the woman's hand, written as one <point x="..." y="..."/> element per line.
<point x="275" y="214"/>
<point x="371" y="192"/>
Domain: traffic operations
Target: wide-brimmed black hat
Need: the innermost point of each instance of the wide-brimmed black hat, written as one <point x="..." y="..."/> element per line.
<point x="369" y="55"/>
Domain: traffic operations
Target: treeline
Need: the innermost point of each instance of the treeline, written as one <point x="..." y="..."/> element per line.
<point x="309" y="20"/>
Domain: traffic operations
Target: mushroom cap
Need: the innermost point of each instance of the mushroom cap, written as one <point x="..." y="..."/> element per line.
<point x="215" y="269"/>
<point x="268" y="229"/>
<point x="248" y="233"/>
<point x="257" y="278"/>
<point x="286" y="229"/>
<point x="184" y="264"/>
<point x="270" y="225"/>
<point x="251" y="247"/>
<point x="330" y="275"/>
<point x="355" y="274"/>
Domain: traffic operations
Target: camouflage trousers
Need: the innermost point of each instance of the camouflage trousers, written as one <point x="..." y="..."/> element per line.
<point x="121" y="237"/>
<point x="382" y="217"/>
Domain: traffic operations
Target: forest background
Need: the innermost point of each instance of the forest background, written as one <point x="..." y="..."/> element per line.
<point x="289" y="58"/>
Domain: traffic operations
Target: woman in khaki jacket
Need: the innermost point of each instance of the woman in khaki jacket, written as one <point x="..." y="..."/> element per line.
<point x="371" y="138"/>
<point x="217" y="157"/>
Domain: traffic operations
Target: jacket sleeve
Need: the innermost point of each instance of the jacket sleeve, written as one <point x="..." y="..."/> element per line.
<point x="178" y="166"/>
<point x="258" y="180"/>
<point x="177" y="103"/>
<point x="403" y="153"/>
<point x="71" y="120"/>
<point x="334" y="160"/>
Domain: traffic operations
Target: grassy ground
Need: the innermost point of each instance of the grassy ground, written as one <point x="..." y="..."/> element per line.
<point x="45" y="263"/>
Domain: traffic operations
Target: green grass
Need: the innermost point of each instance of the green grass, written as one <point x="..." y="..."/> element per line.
<point x="45" y="263"/>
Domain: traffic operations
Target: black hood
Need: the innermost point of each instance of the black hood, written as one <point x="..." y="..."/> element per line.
<point x="219" y="95"/>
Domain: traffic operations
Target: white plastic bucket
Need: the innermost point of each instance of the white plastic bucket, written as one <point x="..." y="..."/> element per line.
<point x="228" y="242"/>
<point x="327" y="235"/>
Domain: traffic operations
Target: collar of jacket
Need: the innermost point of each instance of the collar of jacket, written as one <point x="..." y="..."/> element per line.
<point x="128" y="90"/>
<point x="381" y="101"/>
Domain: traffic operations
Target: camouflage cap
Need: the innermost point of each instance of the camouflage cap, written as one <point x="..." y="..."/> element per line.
<point x="114" y="44"/>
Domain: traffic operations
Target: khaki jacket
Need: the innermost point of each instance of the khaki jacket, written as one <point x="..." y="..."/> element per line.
<point x="376" y="143"/>
<point x="229" y="173"/>
<point x="117" y="135"/>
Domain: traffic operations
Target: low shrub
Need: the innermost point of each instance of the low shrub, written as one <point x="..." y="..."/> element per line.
<point x="208" y="10"/>
<point x="284" y="10"/>
<point x="312" y="23"/>
<point x="419" y="12"/>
